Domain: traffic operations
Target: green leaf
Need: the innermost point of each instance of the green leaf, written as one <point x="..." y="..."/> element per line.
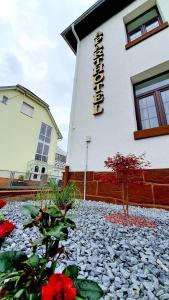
<point x="11" y="261"/>
<point x="7" y="297"/>
<point x="31" y="210"/>
<point x="70" y="223"/>
<point x="1" y="216"/>
<point x="72" y="271"/>
<point x="33" y="261"/>
<point x="79" y="298"/>
<point x="14" y="278"/>
<point x="4" y="275"/>
<point x="43" y="261"/>
<point x="28" y="224"/>
<point x="53" y="211"/>
<point x="88" y="289"/>
<point x="58" y="231"/>
<point x="53" y="248"/>
<point x="53" y="267"/>
<point x="39" y="242"/>
<point x="19" y="293"/>
<point x="33" y="297"/>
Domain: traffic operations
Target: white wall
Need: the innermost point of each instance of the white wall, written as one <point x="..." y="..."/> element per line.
<point x="113" y="130"/>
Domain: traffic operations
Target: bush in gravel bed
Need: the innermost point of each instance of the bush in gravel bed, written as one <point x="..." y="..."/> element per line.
<point x="126" y="169"/>
<point x="6" y="227"/>
<point x="33" y="278"/>
<point x="62" y="197"/>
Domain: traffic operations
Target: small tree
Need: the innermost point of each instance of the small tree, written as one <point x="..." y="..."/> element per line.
<point x="126" y="169"/>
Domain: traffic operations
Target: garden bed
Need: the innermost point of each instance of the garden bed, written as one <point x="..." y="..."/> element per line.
<point x="128" y="262"/>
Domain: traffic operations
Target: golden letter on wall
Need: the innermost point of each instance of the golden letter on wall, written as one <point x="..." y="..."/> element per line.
<point x="98" y="74"/>
<point x="97" y="109"/>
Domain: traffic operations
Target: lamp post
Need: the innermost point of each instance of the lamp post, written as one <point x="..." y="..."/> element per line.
<point x="87" y="141"/>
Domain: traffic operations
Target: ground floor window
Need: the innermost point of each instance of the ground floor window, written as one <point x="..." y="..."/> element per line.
<point x="152" y="101"/>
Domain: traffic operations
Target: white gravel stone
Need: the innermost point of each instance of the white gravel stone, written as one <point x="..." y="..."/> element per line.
<point x="122" y="260"/>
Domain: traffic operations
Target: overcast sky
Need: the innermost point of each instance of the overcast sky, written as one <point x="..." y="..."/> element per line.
<point x="33" y="54"/>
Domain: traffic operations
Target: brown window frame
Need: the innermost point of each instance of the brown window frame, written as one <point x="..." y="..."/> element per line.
<point x="143" y="26"/>
<point x="145" y="34"/>
<point x="158" y="104"/>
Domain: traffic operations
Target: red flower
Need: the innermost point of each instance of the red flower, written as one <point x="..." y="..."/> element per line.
<point x="60" y="287"/>
<point x="2" y="203"/>
<point x="2" y="293"/>
<point x="6" y="228"/>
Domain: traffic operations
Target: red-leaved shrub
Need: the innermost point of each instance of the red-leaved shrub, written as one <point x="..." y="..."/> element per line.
<point x="125" y="169"/>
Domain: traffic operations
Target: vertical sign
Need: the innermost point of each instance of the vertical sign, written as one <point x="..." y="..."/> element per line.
<point x="98" y="74"/>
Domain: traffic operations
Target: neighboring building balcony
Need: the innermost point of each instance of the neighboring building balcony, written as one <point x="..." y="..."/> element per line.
<point x="39" y="170"/>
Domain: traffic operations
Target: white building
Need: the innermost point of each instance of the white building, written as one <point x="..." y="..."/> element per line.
<point x="60" y="162"/>
<point x="121" y="88"/>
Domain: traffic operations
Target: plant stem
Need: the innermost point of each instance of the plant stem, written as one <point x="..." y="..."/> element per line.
<point x="47" y="247"/>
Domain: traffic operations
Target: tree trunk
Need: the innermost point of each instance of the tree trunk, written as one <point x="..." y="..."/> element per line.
<point x="127" y="200"/>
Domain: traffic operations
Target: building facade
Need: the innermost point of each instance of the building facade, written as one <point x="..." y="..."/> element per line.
<point x="28" y="134"/>
<point x="121" y="93"/>
<point x="60" y="163"/>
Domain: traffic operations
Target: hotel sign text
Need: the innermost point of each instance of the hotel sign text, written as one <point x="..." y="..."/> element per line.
<point x="98" y="74"/>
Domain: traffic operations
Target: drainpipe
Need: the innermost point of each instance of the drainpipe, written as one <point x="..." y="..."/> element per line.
<point x="88" y="140"/>
<point x="75" y="34"/>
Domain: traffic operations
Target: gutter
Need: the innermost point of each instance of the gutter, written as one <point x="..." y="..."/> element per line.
<point x="83" y="16"/>
<point x="75" y="33"/>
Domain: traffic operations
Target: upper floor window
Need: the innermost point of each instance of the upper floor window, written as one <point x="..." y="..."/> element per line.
<point x="143" y="24"/>
<point x="27" y="109"/>
<point x="43" y="143"/>
<point x="152" y="101"/>
<point x="4" y="99"/>
<point x="45" y="133"/>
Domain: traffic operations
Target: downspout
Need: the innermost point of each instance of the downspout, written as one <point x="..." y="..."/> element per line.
<point x="75" y="34"/>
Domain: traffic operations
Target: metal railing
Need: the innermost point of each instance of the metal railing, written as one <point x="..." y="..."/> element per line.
<point x="25" y="180"/>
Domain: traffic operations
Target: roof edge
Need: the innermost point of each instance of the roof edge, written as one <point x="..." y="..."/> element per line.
<point x="92" y="18"/>
<point x="41" y="102"/>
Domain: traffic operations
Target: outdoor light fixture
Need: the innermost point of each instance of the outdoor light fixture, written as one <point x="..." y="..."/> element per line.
<point x="87" y="140"/>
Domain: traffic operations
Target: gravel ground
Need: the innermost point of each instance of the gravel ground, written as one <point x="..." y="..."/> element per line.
<point x="128" y="263"/>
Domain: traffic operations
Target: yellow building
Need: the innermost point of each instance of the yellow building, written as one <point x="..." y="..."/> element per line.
<point x="28" y="133"/>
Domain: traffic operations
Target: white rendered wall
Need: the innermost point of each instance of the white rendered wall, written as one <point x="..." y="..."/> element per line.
<point x="113" y="130"/>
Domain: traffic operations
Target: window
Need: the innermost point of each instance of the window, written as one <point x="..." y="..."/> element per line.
<point x="4" y="99"/>
<point x="45" y="133"/>
<point x="43" y="170"/>
<point x="144" y="23"/>
<point x="60" y="157"/>
<point x="27" y="109"/>
<point x="36" y="169"/>
<point x="152" y="102"/>
<point x="44" y="142"/>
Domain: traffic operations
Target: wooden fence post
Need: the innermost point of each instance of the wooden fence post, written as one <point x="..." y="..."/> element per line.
<point x="66" y="176"/>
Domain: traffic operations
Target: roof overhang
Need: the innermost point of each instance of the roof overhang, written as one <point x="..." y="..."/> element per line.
<point x="96" y="15"/>
<point x="35" y="98"/>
